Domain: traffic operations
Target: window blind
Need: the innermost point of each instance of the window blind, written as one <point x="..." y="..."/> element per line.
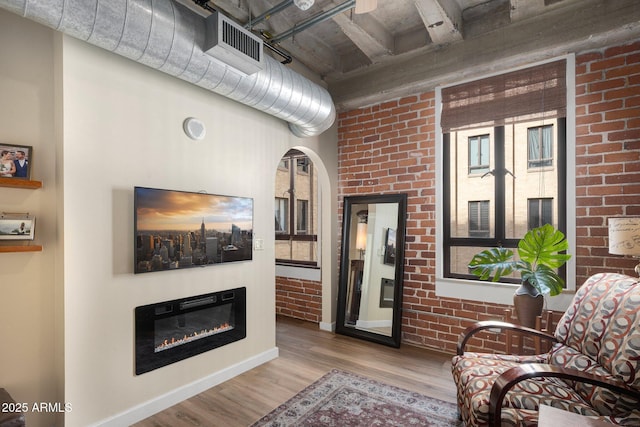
<point x="538" y="91"/>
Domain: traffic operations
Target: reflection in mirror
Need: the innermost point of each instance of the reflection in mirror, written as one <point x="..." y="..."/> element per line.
<point x="371" y="270"/>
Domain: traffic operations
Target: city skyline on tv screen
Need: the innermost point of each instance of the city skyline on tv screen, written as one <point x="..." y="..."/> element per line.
<point x="179" y="229"/>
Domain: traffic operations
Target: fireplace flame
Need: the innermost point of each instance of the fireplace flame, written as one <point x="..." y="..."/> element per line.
<point x="174" y="342"/>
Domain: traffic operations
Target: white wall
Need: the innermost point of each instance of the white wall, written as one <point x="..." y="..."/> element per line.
<point x="123" y="127"/>
<point x="30" y="311"/>
<point x="103" y="124"/>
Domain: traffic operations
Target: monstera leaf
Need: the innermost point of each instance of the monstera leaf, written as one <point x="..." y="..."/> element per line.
<point x="494" y="263"/>
<point x="540" y="253"/>
<point x="542" y="246"/>
<point x="544" y="279"/>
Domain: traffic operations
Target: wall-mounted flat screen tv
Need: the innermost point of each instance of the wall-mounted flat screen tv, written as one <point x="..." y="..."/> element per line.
<point x="180" y="229"/>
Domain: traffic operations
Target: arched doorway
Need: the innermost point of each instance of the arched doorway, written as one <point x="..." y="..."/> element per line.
<point x="302" y="225"/>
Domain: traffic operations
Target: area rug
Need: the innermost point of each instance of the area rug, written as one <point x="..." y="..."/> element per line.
<point x="344" y="399"/>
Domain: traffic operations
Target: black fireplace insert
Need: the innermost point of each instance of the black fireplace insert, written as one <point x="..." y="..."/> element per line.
<point x="170" y="331"/>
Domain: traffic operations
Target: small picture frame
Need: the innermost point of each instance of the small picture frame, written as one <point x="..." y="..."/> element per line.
<point x="17" y="227"/>
<point x="387" y="290"/>
<point x="16" y="161"/>
<point x="390" y="247"/>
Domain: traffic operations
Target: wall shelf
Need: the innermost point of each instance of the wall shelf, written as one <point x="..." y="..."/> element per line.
<point x="29" y="248"/>
<point x="20" y="183"/>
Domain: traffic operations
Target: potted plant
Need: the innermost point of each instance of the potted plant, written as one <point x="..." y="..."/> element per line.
<point x="540" y="254"/>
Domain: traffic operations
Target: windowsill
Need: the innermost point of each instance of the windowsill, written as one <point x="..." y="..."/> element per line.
<point x="538" y="169"/>
<point x="497" y="293"/>
<point x="302" y="272"/>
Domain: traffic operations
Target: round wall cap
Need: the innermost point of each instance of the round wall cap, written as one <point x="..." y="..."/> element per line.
<point x="194" y="128"/>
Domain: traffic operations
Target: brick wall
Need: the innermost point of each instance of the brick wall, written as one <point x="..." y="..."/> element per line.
<point x="298" y="298"/>
<point x="607" y="152"/>
<point x="390" y="148"/>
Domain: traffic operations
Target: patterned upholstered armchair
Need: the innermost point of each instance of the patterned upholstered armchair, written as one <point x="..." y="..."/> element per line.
<point x="593" y="367"/>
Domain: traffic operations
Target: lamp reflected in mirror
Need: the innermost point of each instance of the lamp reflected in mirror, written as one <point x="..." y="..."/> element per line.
<point x="361" y="233"/>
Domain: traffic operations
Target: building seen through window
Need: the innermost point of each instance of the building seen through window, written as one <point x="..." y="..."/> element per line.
<point x="296" y="211"/>
<point x="504" y="161"/>
<point x="512" y="196"/>
<point x="479" y="154"/>
<point x="540" y="146"/>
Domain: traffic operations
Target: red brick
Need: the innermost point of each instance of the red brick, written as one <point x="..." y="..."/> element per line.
<point x="608" y="63"/>
<point x="624" y="156"/>
<point x="622" y="93"/>
<point x="607" y="126"/>
<point x="606" y="85"/>
<point x="589" y="119"/>
<point x="633" y="58"/>
<point x="629" y="134"/>
<point x="623" y="71"/>
<point x="621" y="179"/>
<point x="622" y="114"/>
<point x="588" y="57"/>
<point x="623" y="49"/>
<point x="588" y="78"/>
<point x="605" y="106"/>
<point x="632" y="101"/>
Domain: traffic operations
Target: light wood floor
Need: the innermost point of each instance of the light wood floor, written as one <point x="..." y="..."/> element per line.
<point x="306" y="354"/>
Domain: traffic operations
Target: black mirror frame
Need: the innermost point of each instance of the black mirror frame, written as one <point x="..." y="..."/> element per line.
<point x="396" y="331"/>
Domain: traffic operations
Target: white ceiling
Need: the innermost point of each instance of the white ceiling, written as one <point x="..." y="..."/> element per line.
<point x="364" y="58"/>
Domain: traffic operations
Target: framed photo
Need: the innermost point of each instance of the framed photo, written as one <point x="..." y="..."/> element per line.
<point x="387" y="289"/>
<point x="15" y="161"/>
<point x="390" y="247"/>
<point x="17" y="227"/>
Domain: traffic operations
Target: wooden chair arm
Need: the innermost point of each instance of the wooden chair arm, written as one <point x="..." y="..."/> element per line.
<point x="511" y="377"/>
<point x="494" y="324"/>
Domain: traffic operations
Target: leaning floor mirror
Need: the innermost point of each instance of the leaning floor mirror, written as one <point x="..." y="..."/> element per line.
<point x="371" y="268"/>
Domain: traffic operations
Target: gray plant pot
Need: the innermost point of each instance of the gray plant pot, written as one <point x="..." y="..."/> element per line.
<point x="528" y="304"/>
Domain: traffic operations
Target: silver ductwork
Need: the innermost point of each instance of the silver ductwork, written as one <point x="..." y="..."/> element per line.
<point x="170" y="37"/>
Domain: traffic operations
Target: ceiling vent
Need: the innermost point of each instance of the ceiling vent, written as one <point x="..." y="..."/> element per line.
<point x="231" y="44"/>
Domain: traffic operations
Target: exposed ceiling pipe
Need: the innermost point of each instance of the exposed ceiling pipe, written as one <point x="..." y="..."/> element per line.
<point x="278" y="51"/>
<point x="168" y="36"/>
<point x="275" y="9"/>
<point x="314" y="20"/>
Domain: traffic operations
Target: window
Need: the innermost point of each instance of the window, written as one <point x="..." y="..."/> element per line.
<point x="284" y="163"/>
<point x="479" y="154"/>
<point x="540" y="212"/>
<point x="296" y="211"/>
<point x="503" y="161"/>
<point x="281" y="214"/>
<point x="479" y="219"/>
<point x="540" y="140"/>
<point x="303" y="164"/>
<point x="301" y="216"/>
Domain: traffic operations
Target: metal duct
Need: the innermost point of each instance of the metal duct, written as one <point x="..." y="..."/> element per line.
<point x="169" y="37"/>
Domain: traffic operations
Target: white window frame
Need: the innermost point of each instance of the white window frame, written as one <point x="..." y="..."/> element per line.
<point x="502" y="293"/>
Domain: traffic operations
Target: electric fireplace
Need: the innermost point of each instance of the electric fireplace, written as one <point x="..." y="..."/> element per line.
<point x="170" y="331"/>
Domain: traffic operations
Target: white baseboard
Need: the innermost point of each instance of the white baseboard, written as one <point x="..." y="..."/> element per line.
<point x="147" y="409"/>
<point x="326" y="326"/>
